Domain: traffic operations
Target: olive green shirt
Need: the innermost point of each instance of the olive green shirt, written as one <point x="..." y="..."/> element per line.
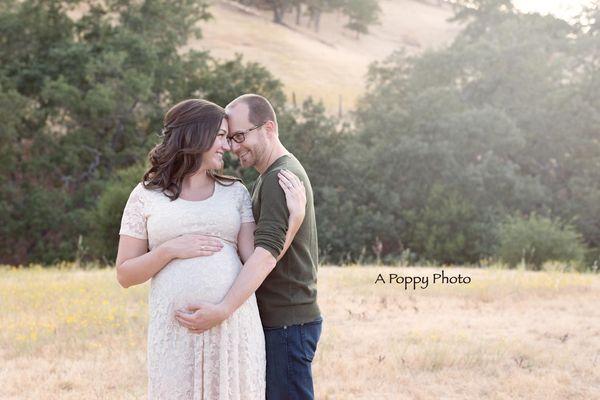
<point x="288" y="295"/>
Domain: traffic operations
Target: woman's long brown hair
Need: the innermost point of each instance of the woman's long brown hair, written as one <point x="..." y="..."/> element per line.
<point x="190" y="129"/>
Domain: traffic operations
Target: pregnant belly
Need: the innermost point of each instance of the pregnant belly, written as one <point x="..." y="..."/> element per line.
<point x="183" y="282"/>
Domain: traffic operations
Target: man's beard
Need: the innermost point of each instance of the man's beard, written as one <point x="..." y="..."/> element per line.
<point x="256" y="155"/>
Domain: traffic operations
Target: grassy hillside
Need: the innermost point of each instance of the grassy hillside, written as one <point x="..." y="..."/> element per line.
<point x="330" y="63"/>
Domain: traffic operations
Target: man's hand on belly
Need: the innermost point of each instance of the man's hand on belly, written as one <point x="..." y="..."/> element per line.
<point x="201" y="316"/>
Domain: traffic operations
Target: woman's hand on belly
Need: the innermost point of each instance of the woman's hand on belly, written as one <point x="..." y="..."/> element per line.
<point x="191" y="246"/>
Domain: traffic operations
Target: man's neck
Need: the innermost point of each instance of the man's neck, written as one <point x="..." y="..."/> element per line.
<point x="277" y="151"/>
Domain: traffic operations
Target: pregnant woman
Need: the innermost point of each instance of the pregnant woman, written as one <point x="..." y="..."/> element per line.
<point x="190" y="229"/>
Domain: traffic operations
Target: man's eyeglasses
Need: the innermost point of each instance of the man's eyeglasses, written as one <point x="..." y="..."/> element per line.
<point x="240" y="136"/>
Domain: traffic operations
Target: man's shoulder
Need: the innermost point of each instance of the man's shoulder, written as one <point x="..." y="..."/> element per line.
<point x="269" y="181"/>
<point x="290" y="163"/>
<point x="295" y="167"/>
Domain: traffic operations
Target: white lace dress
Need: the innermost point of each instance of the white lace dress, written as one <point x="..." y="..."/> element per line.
<point x="227" y="361"/>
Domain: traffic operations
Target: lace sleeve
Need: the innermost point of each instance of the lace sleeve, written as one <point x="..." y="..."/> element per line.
<point x="245" y="205"/>
<point x="133" y="222"/>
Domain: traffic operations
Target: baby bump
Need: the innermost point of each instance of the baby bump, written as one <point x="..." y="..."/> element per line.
<point x="185" y="281"/>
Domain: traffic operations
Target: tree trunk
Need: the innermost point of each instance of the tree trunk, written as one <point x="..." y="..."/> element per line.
<point x="277" y="15"/>
<point x="298" y="12"/>
<point x="317" y="20"/>
<point x="277" y="7"/>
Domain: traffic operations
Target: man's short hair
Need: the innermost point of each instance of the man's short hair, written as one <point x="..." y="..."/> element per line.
<point x="259" y="108"/>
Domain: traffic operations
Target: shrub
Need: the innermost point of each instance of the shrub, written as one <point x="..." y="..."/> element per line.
<point x="538" y="239"/>
<point x="104" y="219"/>
<point x="448" y="230"/>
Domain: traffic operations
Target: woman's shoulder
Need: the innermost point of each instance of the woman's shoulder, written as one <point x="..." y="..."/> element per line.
<point x="235" y="190"/>
<point x="232" y="185"/>
<point x="141" y="191"/>
<point x="239" y="185"/>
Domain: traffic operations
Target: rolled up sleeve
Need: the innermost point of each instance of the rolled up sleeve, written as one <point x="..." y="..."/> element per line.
<point x="272" y="224"/>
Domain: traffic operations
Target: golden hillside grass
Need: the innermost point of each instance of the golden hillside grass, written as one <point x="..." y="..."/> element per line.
<point x="332" y="62"/>
<point x="75" y="334"/>
<point x="327" y="64"/>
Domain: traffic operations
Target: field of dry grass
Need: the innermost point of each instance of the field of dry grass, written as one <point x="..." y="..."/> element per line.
<point x="75" y="334"/>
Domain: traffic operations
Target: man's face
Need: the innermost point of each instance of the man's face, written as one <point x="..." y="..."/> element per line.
<point x="252" y="150"/>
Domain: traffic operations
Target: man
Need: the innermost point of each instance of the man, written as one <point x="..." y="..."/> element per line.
<point x="286" y="290"/>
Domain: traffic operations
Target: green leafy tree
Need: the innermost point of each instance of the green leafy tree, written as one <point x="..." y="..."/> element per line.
<point x="444" y="145"/>
<point x="84" y="98"/>
<point x="361" y="14"/>
<point x="497" y="117"/>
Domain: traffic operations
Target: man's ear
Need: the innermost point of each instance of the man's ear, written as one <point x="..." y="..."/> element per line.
<point x="271" y="128"/>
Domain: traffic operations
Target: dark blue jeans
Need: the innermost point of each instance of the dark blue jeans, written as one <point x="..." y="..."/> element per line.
<point x="290" y="351"/>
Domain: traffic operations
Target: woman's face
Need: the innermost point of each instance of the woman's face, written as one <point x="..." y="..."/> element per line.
<point x="213" y="157"/>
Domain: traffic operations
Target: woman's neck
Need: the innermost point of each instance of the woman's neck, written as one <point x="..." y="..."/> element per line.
<point x="198" y="180"/>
